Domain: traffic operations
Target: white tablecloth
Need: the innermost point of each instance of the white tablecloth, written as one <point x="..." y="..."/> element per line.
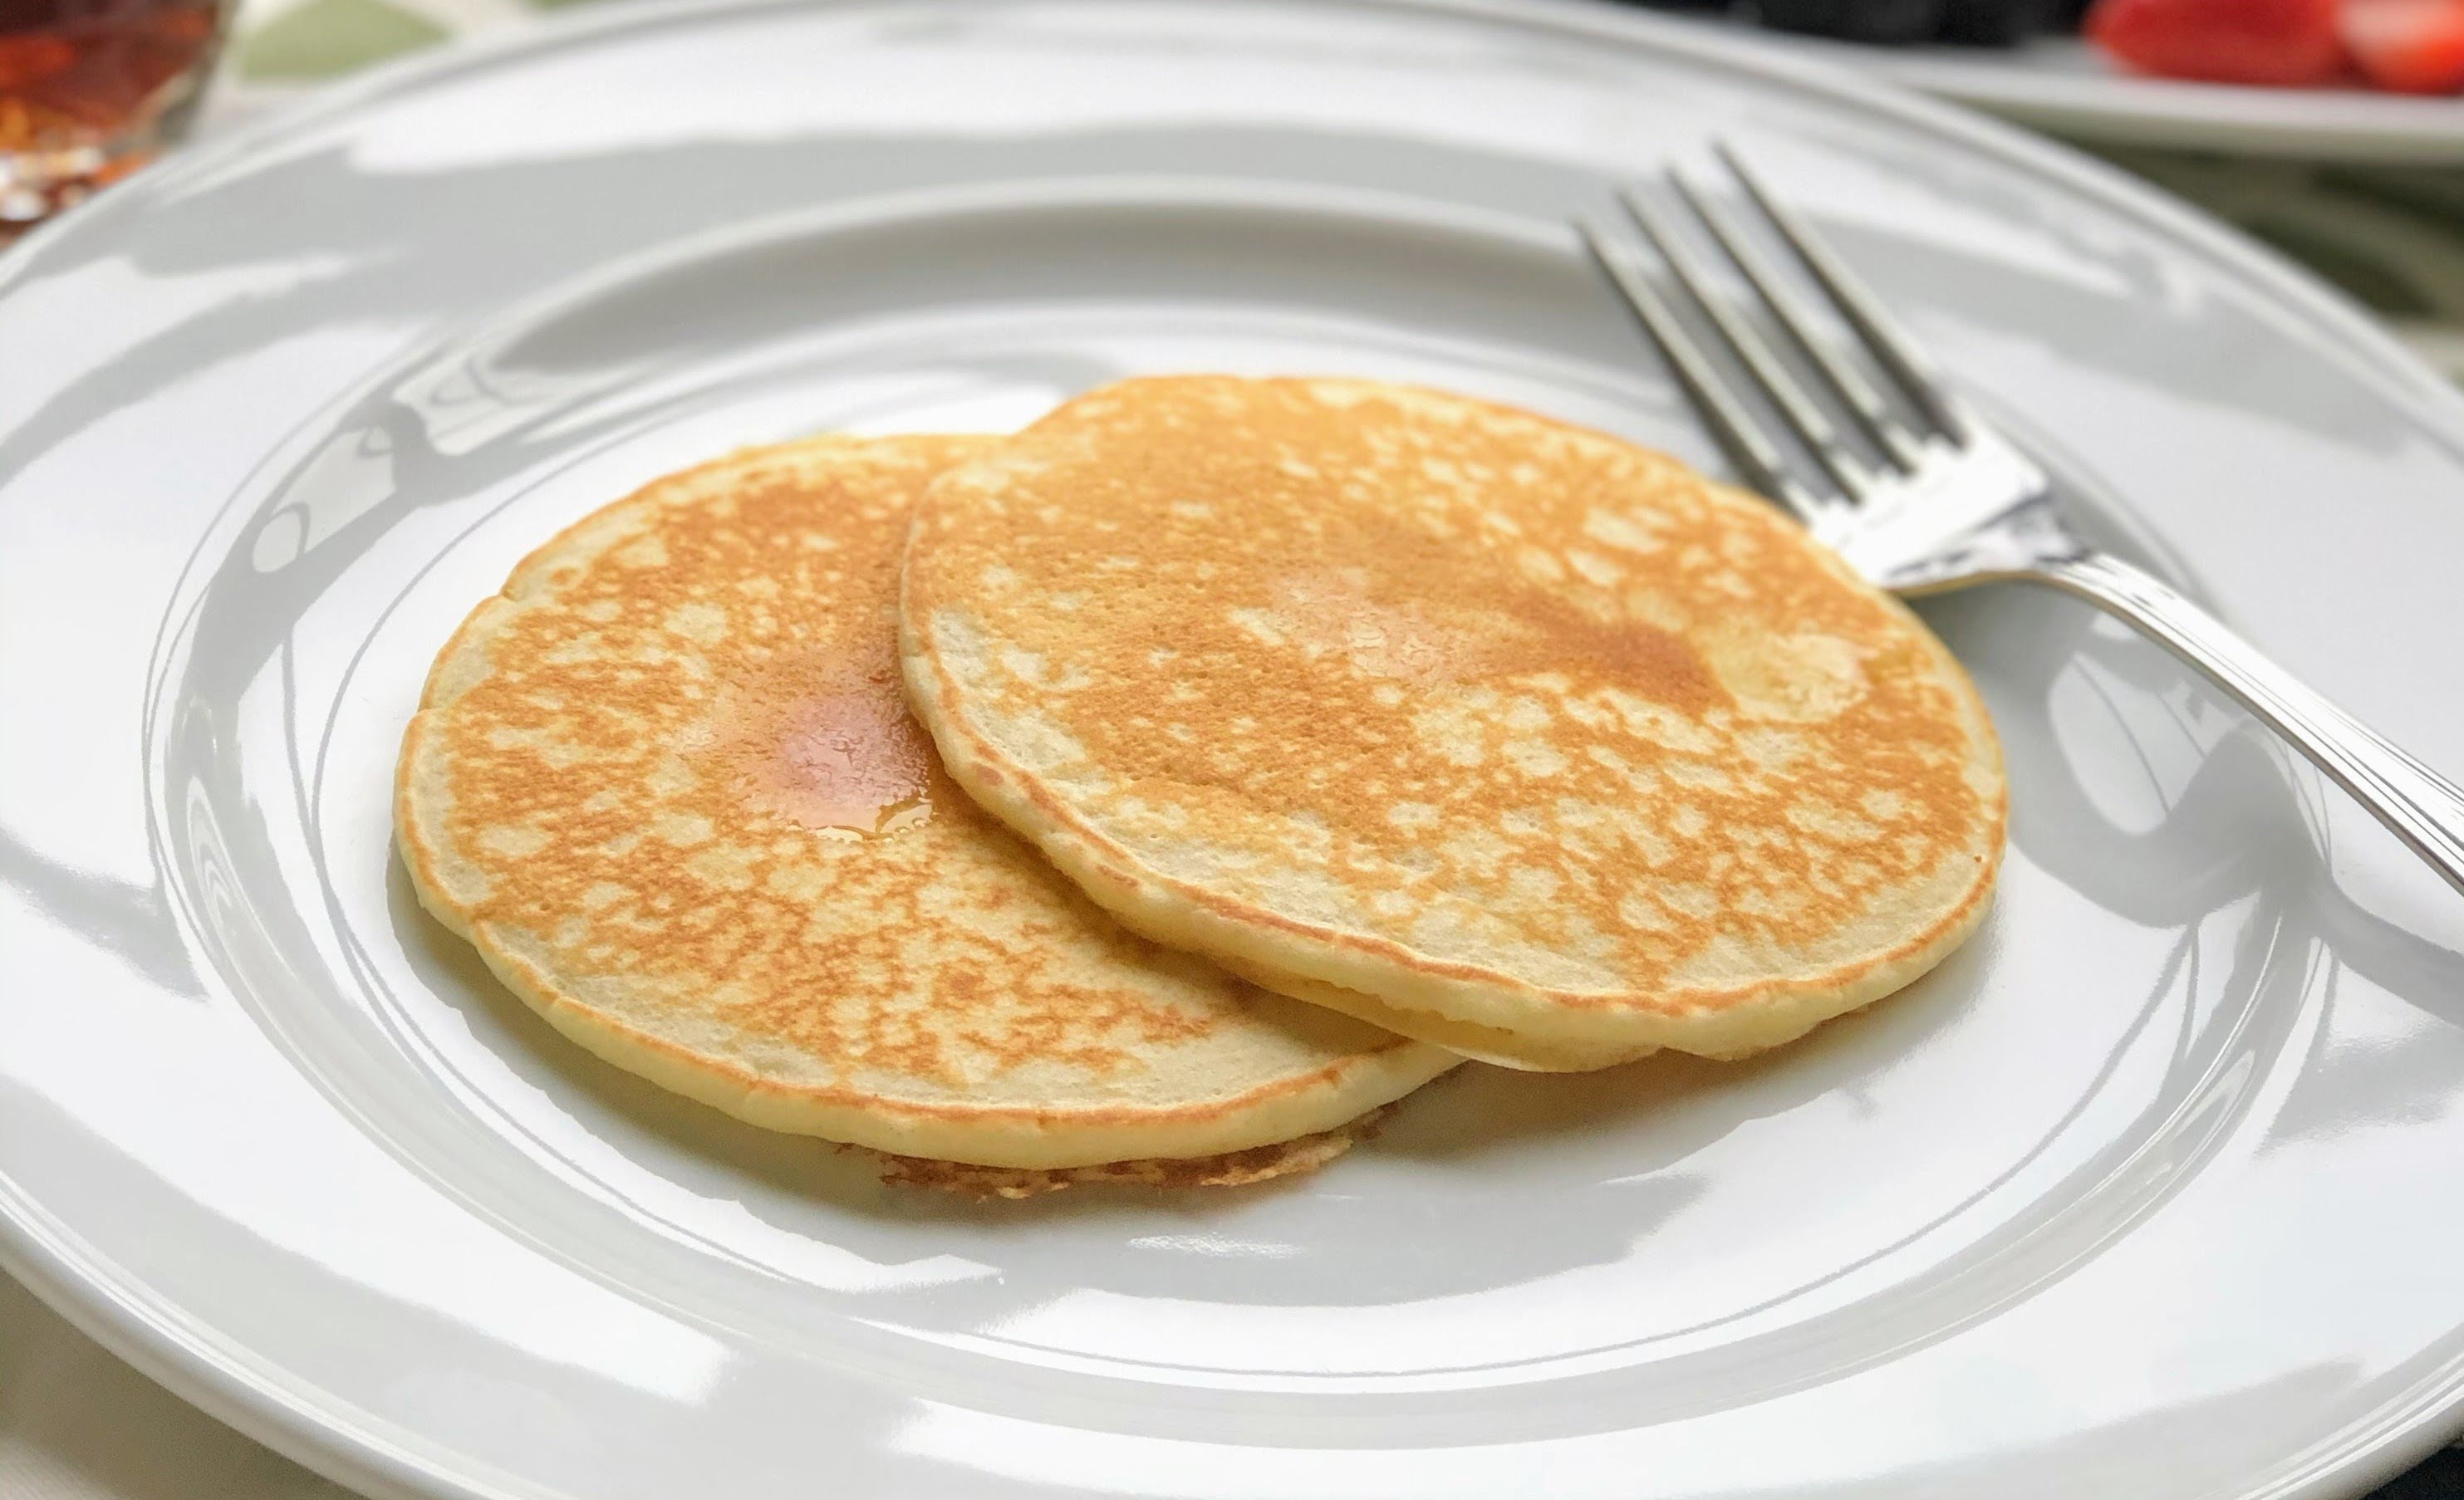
<point x="78" y="1425"/>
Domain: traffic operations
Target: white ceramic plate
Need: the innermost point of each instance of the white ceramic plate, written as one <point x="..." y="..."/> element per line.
<point x="2151" y="1190"/>
<point x="2062" y="84"/>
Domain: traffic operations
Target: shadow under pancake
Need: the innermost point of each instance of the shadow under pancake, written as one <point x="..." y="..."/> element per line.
<point x="1620" y="1138"/>
<point x="1690" y="1102"/>
<point x="805" y="1184"/>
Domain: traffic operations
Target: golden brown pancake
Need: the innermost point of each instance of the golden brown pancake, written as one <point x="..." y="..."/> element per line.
<point x="667" y="784"/>
<point x="1499" y="732"/>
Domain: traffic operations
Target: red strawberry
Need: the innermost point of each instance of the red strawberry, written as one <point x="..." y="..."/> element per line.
<point x="2224" y="41"/>
<point x="2411" y="46"/>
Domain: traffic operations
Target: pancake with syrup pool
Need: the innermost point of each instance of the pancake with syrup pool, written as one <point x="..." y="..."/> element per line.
<point x="665" y="782"/>
<point x="1499" y="732"/>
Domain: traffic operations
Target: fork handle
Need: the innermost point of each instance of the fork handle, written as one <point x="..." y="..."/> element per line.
<point x="2420" y="806"/>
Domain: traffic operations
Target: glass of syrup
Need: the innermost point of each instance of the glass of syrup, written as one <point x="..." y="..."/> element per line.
<point x="91" y="90"/>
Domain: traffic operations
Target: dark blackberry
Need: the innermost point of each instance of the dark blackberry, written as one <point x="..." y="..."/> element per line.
<point x="1995" y="23"/>
<point x="1856" y="20"/>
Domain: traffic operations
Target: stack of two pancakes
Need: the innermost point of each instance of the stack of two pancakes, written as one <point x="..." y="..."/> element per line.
<point x="1158" y="792"/>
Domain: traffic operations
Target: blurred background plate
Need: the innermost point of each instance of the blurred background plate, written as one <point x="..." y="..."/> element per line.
<point x="2060" y="85"/>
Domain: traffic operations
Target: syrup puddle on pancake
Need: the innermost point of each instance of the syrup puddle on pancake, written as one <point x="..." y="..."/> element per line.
<point x="826" y="743"/>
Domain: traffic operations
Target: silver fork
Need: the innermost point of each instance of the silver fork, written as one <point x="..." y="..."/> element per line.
<point x="1946" y="501"/>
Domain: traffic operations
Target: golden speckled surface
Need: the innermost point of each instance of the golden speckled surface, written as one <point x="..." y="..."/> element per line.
<point x="1492" y="721"/>
<point x="668" y="784"/>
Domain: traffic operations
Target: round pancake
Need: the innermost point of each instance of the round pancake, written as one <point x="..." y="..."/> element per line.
<point x="668" y="785"/>
<point x="1502" y="734"/>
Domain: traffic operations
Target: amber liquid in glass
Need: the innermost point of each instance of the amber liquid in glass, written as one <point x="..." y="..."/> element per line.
<point x="89" y="89"/>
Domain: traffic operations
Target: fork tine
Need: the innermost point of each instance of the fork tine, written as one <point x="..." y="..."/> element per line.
<point x="1813" y="429"/>
<point x="1846" y="381"/>
<point x="1899" y="354"/>
<point x="1736" y="432"/>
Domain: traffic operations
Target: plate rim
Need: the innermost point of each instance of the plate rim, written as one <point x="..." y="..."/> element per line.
<point x="335" y="1439"/>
